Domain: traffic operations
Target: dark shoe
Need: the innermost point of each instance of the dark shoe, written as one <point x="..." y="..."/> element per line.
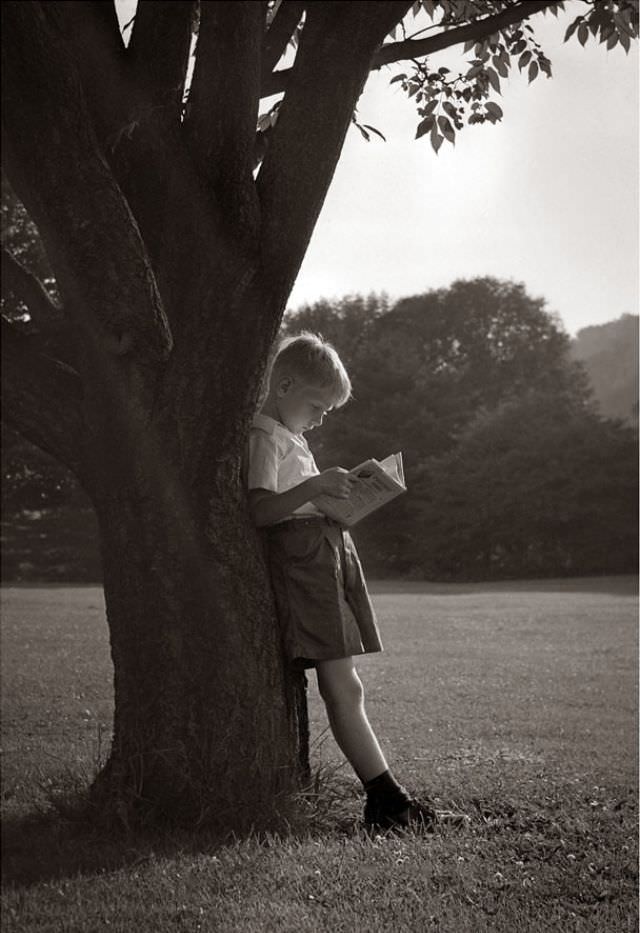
<point x="415" y="815"/>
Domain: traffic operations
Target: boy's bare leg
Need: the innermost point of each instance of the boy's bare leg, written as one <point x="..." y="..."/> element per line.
<point x="388" y="804"/>
<point x="343" y="695"/>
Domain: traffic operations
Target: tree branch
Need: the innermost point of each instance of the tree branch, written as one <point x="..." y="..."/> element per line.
<point x="223" y="104"/>
<point x="93" y="33"/>
<point x="279" y="33"/>
<point x="332" y="64"/>
<point x="59" y="173"/>
<point x="42" y="399"/>
<point x="418" y="48"/>
<point x="278" y="82"/>
<point x="136" y="107"/>
<point x="159" y="54"/>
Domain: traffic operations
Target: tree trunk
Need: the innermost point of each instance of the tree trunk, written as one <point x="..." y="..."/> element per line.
<point x="210" y="723"/>
<point x="207" y="719"/>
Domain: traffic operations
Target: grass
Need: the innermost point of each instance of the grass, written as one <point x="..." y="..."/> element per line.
<point x="515" y="702"/>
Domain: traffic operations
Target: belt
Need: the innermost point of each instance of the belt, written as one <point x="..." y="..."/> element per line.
<point x="307" y="520"/>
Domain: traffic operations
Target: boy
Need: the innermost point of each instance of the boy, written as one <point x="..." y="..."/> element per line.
<point x="321" y="595"/>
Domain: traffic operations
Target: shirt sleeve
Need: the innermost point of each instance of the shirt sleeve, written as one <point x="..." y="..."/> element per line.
<point x="263" y="461"/>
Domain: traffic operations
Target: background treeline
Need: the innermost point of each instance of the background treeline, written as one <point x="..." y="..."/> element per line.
<point x="511" y="467"/>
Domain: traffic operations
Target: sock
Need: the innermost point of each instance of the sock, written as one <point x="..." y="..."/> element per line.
<point x="384" y="792"/>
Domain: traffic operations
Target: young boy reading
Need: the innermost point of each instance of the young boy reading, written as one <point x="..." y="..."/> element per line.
<point x="321" y="595"/>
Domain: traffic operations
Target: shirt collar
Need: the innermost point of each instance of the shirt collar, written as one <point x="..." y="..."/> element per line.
<point x="271" y="426"/>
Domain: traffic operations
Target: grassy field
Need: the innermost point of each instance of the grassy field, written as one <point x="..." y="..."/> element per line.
<point x="515" y="702"/>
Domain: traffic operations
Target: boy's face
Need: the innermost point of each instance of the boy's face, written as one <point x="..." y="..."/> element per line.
<point x="302" y="407"/>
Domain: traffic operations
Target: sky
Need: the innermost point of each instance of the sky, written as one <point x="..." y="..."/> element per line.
<point x="547" y="197"/>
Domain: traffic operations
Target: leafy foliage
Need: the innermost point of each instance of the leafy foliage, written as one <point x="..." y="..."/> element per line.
<point x="446" y="102"/>
<point x="531" y="488"/>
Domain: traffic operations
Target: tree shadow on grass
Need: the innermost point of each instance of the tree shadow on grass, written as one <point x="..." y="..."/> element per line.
<point x="44" y="847"/>
<point x="68" y="839"/>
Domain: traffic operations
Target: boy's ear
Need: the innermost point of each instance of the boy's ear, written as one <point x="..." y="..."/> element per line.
<point x="284" y="385"/>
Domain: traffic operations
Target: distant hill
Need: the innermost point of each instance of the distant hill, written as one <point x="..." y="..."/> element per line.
<point x="610" y="354"/>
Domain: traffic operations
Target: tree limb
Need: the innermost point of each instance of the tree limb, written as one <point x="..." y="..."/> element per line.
<point x="279" y="33"/>
<point x="136" y="108"/>
<point x="92" y="240"/>
<point x="332" y="64"/>
<point x="278" y="82"/>
<point x="418" y="48"/>
<point x="159" y="53"/>
<point x="28" y="288"/>
<point x="222" y="111"/>
<point x="42" y="399"/>
<point x="93" y="34"/>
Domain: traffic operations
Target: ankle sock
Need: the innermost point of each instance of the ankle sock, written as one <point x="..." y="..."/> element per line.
<point x="384" y="792"/>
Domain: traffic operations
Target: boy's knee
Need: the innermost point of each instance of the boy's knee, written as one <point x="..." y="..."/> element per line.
<point x="342" y="691"/>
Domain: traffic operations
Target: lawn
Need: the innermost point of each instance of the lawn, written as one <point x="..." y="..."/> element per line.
<point x="515" y="702"/>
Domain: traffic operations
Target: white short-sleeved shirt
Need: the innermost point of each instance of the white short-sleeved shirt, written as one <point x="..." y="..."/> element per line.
<point x="279" y="460"/>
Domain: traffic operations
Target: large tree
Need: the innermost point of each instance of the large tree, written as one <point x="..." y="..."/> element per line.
<point x="173" y="258"/>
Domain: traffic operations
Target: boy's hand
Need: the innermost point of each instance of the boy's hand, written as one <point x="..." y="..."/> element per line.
<point x="336" y="482"/>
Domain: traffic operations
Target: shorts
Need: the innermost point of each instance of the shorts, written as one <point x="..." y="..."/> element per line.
<point x="321" y="595"/>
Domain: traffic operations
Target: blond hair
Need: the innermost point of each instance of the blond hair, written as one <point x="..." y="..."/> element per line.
<point x="313" y="360"/>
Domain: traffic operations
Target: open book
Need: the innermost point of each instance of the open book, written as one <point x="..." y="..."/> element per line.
<point x="378" y="482"/>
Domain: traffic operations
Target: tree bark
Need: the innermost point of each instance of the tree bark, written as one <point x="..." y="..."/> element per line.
<point x="206" y="726"/>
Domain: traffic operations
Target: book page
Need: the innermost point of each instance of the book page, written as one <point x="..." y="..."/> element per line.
<point x="376" y="485"/>
<point x="393" y="466"/>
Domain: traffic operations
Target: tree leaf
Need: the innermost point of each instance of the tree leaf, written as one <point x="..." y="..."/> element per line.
<point x="606" y="31"/>
<point x="400" y="77"/>
<point x="533" y="71"/>
<point x="436" y="139"/>
<point x="545" y="65"/>
<point x="500" y="67"/>
<point x="372" y="129"/>
<point x="493" y="108"/>
<point x="446" y="129"/>
<point x="425" y="126"/>
<point x="450" y="109"/>
<point x="494" y="80"/>
<point x="624" y="25"/>
<point x="524" y="59"/>
<point x="583" y="34"/>
<point x="572" y="28"/>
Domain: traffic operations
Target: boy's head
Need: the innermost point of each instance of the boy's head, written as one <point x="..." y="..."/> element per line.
<point x="306" y="380"/>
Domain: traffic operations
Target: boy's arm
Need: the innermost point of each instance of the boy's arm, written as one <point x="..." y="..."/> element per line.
<point x="268" y="507"/>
